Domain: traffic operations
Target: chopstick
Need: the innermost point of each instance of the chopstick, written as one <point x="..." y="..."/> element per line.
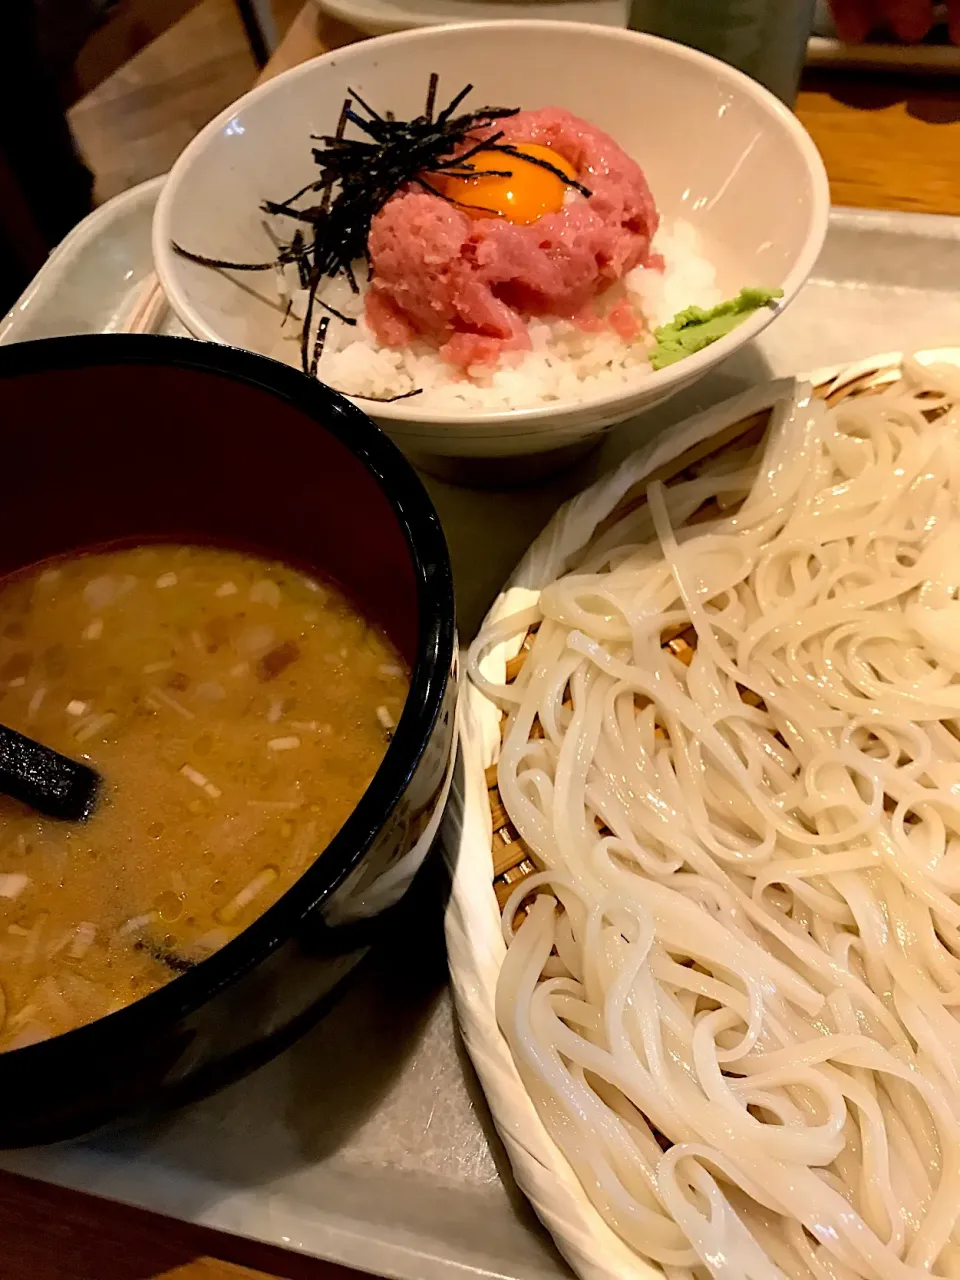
<point x="148" y="308"/>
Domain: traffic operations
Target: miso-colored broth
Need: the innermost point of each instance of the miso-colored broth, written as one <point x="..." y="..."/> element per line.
<point x="236" y="709"/>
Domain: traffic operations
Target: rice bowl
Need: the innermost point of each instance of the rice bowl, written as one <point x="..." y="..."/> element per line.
<point x="720" y="159"/>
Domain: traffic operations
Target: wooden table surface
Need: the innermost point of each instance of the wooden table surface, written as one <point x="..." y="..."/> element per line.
<point x="888" y="143"/>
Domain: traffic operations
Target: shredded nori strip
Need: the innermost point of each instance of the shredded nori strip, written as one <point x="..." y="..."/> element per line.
<point x="431" y="96"/>
<point x="222" y="265"/>
<point x="401" y="395"/>
<point x="321" y="338"/>
<point x="357" y="177"/>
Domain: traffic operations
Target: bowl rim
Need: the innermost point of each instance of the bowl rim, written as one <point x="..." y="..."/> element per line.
<point x="432" y="672"/>
<point x="538" y="417"/>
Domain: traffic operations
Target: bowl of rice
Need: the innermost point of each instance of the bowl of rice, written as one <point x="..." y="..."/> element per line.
<point x="600" y="219"/>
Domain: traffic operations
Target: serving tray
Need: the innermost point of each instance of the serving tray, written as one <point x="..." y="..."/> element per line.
<point x="368" y="1143"/>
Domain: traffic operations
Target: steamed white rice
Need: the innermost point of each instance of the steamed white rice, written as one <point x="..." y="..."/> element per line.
<point x="565" y="364"/>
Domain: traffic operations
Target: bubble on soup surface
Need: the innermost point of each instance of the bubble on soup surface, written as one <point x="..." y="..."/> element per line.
<point x="170" y="906"/>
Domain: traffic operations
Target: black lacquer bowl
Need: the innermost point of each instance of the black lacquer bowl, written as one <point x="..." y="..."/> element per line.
<point x="108" y="438"/>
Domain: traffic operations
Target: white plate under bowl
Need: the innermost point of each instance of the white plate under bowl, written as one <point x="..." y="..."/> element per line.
<point x="718" y="151"/>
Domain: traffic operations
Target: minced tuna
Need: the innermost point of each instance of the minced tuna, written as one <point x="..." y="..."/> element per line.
<point x="468" y="286"/>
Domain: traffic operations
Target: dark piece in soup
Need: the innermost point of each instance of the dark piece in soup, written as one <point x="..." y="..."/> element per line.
<point x="237" y="711"/>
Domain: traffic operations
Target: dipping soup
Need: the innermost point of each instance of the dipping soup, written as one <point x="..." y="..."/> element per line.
<point x="237" y="710"/>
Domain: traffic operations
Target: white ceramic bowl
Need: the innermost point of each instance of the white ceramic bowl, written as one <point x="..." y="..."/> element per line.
<point x="717" y="149"/>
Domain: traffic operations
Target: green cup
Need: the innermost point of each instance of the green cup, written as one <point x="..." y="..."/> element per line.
<point x="767" y="39"/>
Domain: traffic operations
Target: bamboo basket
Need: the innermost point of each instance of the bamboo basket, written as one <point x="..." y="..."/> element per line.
<point x="490" y="860"/>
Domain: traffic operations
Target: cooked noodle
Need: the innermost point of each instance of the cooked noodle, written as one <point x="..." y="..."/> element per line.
<point x="734" y="995"/>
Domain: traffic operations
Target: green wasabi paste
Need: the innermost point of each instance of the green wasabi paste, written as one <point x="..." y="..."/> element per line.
<point x="693" y="329"/>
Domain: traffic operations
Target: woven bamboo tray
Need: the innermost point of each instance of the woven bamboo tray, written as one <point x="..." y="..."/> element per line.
<point x="491" y="860"/>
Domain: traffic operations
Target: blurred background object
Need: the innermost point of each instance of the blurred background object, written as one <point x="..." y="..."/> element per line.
<point x="934" y="54"/>
<point x="380" y="17"/>
<point x="882" y="49"/>
<point x="44" y="185"/>
<point x="823" y="23"/>
<point x="98" y="95"/>
<point x="142" y="95"/>
<point x="765" y="38"/>
<point x="909" y="21"/>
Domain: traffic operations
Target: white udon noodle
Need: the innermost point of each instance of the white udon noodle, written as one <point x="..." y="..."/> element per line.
<point x="747" y="936"/>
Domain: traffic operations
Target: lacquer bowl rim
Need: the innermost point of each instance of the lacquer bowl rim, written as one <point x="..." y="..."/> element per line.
<point x="420" y="526"/>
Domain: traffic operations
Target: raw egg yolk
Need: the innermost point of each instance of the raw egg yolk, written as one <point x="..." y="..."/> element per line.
<point x="529" y="192"/>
